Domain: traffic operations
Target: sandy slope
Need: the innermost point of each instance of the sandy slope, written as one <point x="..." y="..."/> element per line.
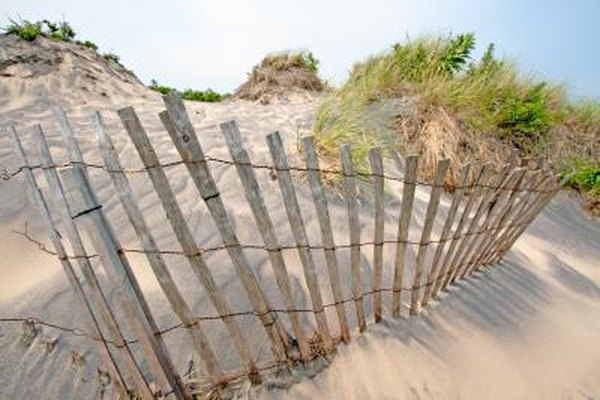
<point x="528" y="328"/>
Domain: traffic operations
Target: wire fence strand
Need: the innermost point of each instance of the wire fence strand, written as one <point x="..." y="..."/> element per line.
<point x="7" y="175"/>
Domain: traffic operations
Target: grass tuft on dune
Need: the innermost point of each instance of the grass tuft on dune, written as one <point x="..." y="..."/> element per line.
<point x="445" y="103"/>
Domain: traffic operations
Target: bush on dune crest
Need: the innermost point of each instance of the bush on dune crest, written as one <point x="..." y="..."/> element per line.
<point x="462" y="109"/>
<point x="279" y="74"/>
<point x="60" y="31"/>
<point x="208" y="95"/>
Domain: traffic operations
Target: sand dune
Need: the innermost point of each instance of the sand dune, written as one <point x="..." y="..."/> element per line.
<point x="526" y="328"/>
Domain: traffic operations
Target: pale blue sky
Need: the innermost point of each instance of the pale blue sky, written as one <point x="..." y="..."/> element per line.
<point x="213" y="44"/>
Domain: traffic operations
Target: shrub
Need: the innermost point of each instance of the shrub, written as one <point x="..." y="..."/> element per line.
<point x="154" y="85"/>
<point x="208" y="95"/>
<point x="87" y="43"/>
<point x="59" y="31"/>
<point x="26" y="30"/>
<point x="111" y="57"/>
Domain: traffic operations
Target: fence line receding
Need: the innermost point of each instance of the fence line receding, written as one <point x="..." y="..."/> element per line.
<point x="488" y="210"/>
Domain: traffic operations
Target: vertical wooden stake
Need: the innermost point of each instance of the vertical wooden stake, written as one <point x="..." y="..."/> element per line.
<point x="124" y="383"/>
<point x="445" y="235"/>
<point x="290" y="200"/>
<point x="351" y="197"/>
<point x="184" y="236"/>
<point x="378" y="192"/>
<point x="481" y="178"/>
<point x="408" y="197"/>
<point x="181" y="131"/>
<point x="320" y="200"/>
<point x="430" y="214"/>
<point x="117" y="266"/>
<point x="265" y="227"/>
<point x="155" y="259"/>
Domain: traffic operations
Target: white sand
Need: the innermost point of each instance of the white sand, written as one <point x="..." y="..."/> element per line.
<point x="528" y="328"/>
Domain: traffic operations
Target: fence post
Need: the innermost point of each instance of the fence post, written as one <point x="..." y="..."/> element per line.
<point x="351" y="198"/>
<point x="290" y="200"/>
<point x="122" y="377"/>
<point x="155" y="259"/>
<point x="526" y="203"/>
<point x="481" y="178"/>
<point x="536" y="208"/>
<point x="494" y="227"/>
<point x="465" y="246"/>
<point x="184" y="235"/>
<point x="117" y="266"/>
<point x="486" y="207"/>
<point x="181" y="131"/>
<point x="408" y="197"/>
<point x="265" y="227"/>
<point x="445" y="235"/>
<point x="318" y="195"/>
<point x="432" y="207"/>
<point x="378" y="193"/>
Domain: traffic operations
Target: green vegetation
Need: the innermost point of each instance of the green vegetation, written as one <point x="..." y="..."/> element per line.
<point x="585" y="178"/>
<point x="208" y="96"/>
<point x="26" y="30"/>
<point x="279" y="74"/>
<point x="60" y="31"/>
<point x="462" y="108"/>
<point x="87" y="43"/>
<point x="285" y="60"/>
<point x="111" y="57"/>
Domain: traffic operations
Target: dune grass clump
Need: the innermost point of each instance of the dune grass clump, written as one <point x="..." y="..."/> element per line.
<point x="461" y="108"/>
<point x="207" y="96"/>
<point x="279" y="74"/>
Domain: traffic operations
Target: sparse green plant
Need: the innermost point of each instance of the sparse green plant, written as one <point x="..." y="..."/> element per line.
<point x="87" y="43"/>
<point x="24" y="29"/>
<point x="584" y="176"/>
<point x="154" y="85"/>
<point x="59" y="31"/>
<point x="208" y="96"/>
<point x="112" y="57"/>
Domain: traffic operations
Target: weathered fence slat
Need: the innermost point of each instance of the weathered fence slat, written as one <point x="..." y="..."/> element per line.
<point x="430" y="214"/>
<point x="408" y="197"/>
<point x="536" y="208"/>
<point x="320" y="200"/>
<point x="265" y="226"/>
<point x="124" y="382"/>
<point x="445" y="235"/>
<point x="465" y="246"/>
<point x="488" y="208"/>
<point x="74" y="237"/>
<point x="527" y="201"/>
<point x="184" y="235"/>
<point x="378" y="194"/>
<point x="155" y="259"/>
<point x="119" y="270"/>
<point x="290" y="200"/>
<point x="351" y="198"/>
<point x="494" y="227"/>
<point x="481" y="178"/>
<point x="181" y="131"/>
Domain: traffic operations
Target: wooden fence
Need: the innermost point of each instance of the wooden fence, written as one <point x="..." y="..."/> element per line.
<point x="488" y="212"/>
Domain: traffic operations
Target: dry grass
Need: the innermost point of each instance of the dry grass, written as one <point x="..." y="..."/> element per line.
<point x="279" y="74"/>
<point x="465" y="110"/>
